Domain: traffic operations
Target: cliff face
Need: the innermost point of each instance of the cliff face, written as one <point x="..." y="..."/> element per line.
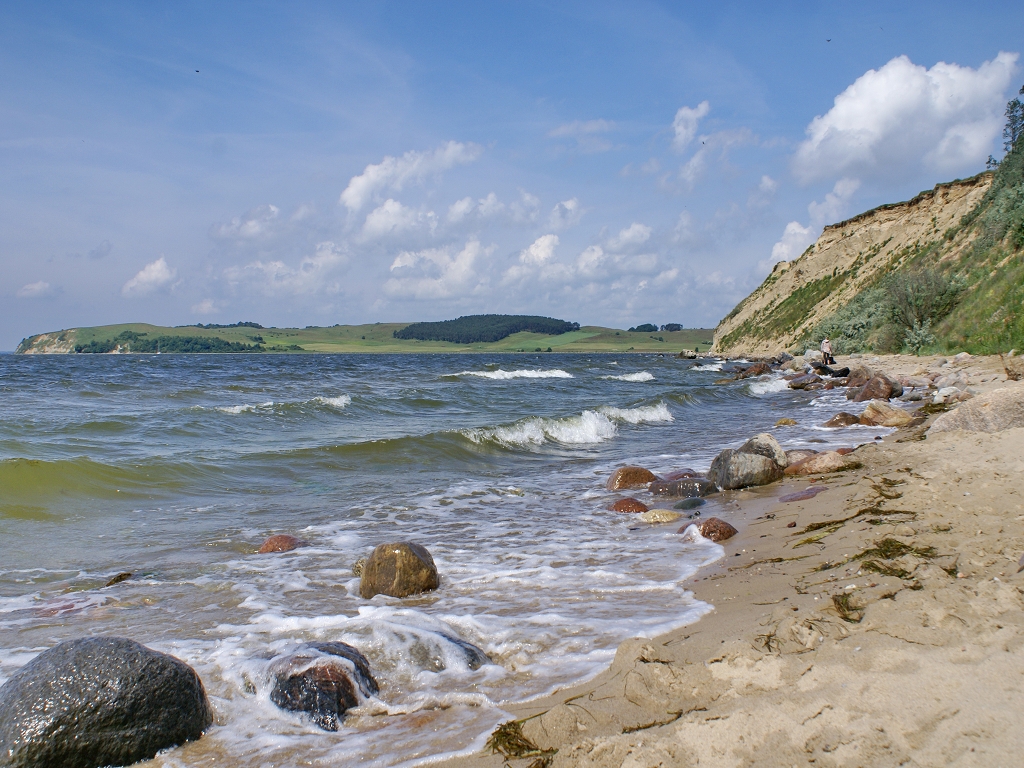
<point x="57" y="343"/>
<point x="848" y="257"/>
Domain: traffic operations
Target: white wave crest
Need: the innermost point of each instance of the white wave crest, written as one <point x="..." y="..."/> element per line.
<point x="246" y="408"/>
<point x="638" y="376"/>
<point x="767" y="386"/>
<point x="645" y="414"/>
<point x="588" y="428"/>
<point x="707" y="367"/>
<point x="339" y="402"/>
<point x="499" y="374"/>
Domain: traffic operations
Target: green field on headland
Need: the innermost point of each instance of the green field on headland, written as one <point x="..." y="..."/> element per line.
<point x="375" y="337"/>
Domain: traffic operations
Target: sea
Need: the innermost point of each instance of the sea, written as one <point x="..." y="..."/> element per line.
<point x="175" y="468"/>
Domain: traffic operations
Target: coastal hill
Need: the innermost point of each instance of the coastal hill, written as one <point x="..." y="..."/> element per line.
<point x="941" y="272"/>
<point x="375" y="337"/>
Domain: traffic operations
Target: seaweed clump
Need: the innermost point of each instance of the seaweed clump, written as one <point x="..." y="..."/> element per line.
<point x="509" y="741"/>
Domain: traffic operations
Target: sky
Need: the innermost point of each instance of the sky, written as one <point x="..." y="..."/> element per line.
<point x="313" y="163"/>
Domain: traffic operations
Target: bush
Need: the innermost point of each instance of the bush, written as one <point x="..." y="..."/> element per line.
<point x="135" y="343"/>
<point x="645" y="328"/>
<point x="925" y="296"/>
<point x="671" y="327"/>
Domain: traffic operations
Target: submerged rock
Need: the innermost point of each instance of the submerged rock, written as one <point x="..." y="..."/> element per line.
<point x="629" y="505"/>
<point x="842" y="419"/>
<point x="324" y="679"/>
<point x="627" y="478"/>
<point x="398" y="569"/>
<point x="735" y="469"/>
<point x="281" y="542"/>
<point x="880" y="414"/>
<point x="713" y="528"/>
<point x="785" y="423"/>
<point x="99" y="701"/>
<point x="690" y="488"/>
<point x="689" y="504"/>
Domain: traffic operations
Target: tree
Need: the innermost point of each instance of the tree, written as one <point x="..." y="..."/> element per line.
<point x="1014" y="123"/>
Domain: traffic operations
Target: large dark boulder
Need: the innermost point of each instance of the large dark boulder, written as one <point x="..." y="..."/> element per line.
<point x="859" y="375"/>
<point x="842" y="419"/>
<point x="99" y="701"/>
<point x="757" y="369"/>
<point x="398" y="569"/>
<point x="767" y="446"/>
<point x="878" y="388"/>
<point x="324" y="679"/>
<point x="734" y="469"/>
<point x="804" y="381"/>
<point x="689" y="488"/>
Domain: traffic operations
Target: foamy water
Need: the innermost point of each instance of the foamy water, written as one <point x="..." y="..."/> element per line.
<point x="176" y="468"/>
<point x="637" y="377"/>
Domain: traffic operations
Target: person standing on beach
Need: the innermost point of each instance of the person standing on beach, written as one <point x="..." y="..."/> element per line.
<point x="826" y="352"/>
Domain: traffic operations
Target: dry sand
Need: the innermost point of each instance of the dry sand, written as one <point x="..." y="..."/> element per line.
<point x="821" y="651"/>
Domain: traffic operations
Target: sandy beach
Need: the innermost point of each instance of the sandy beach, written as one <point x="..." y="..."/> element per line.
<point x="878" y="623"/>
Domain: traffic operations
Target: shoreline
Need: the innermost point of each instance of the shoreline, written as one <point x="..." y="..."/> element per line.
<point x="905" y="585"/>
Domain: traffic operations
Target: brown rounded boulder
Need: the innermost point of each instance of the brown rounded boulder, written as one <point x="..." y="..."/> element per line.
<point x="630" y="477"/>
<point x="398" y="569"/>
<point x="630" y="505"/>
<point x="880" y="414"/>
<point x="281" y="542"/>
<point x="713" y="528"/>
<point x="842" y="419"/>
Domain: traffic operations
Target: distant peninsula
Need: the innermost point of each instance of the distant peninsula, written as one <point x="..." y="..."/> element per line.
<point x="471" y="333"/>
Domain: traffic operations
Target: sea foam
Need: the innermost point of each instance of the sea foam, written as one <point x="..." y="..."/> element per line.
<point x="638" y="376"/>
<point x="587" y="428"/>
<point x="767" y="386"/>
<point x="554" y="373"/>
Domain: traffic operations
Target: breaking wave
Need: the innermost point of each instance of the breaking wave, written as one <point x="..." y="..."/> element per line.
<point x="638" y="376"/>
<point x="554" y="373"/>
<point x="587" y="428"/>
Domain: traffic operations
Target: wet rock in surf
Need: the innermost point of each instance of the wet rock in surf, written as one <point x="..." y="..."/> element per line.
<point x="689" y="488"/>
<point x="757" y="369"/>
<point x="880" y="414"/>
<point x="767" y="446"/>
<point x="878" y="388"/>
<point x="324" y="679"/>
<point x="398" y="569"/>
<point x="357" y="567"/>
<point x="805" y="381"/>
<point x="733" y="469"/>
<point x="785" y="422"/>
<point x="689" y="504"/>
<point x="713" y="528"/>
<point x="281" y="542"/>
<point x="858" y="376"/>
<point x="660" y="516"/>
<point x="682" y="474"/>
<point x="627" y="478"/>
<point x="842" y="419"/>
<point x="630" y="505"/>
<point x="99" y="701"/>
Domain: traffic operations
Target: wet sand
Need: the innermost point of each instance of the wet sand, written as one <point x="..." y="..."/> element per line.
<point x="883" y="628"/>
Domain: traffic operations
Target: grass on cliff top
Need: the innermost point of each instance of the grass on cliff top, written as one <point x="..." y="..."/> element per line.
<point x="378" y="337"/>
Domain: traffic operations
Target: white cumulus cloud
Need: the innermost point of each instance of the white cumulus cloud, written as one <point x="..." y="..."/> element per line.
<point x="393" y="217"/>
<point x="485" y="207"/>
<point x="34" y="290"/>
<point x="154" y="275"/>
<point x="314" y="274"/>
<point x="435" y="273"/>
<point x="565" y="214"/>
<point x="256" y="223"/>
<point x="796" y="237"/>
<point x="392" y="173"/>
<point x="634" y="234"/>
<point x="685" y="124"/>
<point x="904" y="117"/>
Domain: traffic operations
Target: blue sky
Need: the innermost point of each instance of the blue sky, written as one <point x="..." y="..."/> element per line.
<point x="344" y="163"/>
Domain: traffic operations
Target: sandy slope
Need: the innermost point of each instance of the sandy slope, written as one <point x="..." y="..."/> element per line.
<point x="925" y="669"/>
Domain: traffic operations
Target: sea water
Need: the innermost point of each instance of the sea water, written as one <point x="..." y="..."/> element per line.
<point x="176" y="467"/>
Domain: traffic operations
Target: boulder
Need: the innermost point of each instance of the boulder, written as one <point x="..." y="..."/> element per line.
<point x="842" y="419"/>
<point x="956" y="379"/>
<point x="629" y="505"/>
<point x="962" y="358"/>
<point x="687" y="354"/>
<point x="878" y="388"/>
<point x="812" y="354"/>
<point x="859" y="375"/>
<point x="767" y="446"/>
<point x="1000" y="409"/>
<point x="281" y="542"/>
<point x="99" y="701"/>
<point x="757" y="369"/>
<point x="689" y="504"/>
<point x="324" y="679"/>
<point x="630" y="477"/>
<point x="688" y="489"/>
<point x="713" y="528"/>
<point x="821" y="463"/>
<point x="880" y="414"/>
<point x="840" y="373"/>
<point x="804" y="381"/>
<point x="660" y="516"/>
<point x="398" y="569"/>
<point x="682" y="474"/>
<point x="734" y="469"/>
<point x="783" y="357"/>
<point x="785" y="423"/>
<point x="798" y="455"/>
<point x="822" y="370"/>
